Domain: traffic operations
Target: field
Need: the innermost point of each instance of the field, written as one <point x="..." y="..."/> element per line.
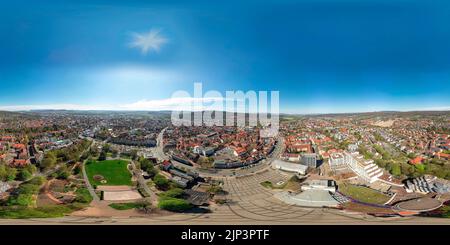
<point x="109" y="172"/>
<point x="363" y="194"/>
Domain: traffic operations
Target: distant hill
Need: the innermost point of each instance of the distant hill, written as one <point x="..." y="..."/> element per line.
<point x="375" y="114"/>
<point x="168" y="113"/>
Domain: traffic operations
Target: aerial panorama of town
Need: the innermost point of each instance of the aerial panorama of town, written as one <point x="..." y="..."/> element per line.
<point x="62" y="166"/>
<point x="224" y="120"/>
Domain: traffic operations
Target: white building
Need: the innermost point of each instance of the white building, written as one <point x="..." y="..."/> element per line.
<point x="325" y="185"/>
<point x="290" y="167"/>
<point x="204" y="151"/>
<point x="352" y="147"/>
<point x="365" y="169"/>
<point x="336" y="161"/>
<point x="291" y="157"/>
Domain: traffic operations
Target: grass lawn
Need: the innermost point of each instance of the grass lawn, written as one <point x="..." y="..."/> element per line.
<point x="363" y="194"/>
<point x="83" y="195"/>
<point x="445" y="211"/>
<point x="293" y="184"/>
<point x="52" y="211"/>
<point x="270" y="185"/>
<point x="115" y="172"/>
<point x="125" y="206"/>
<point x="267" y="184"/>
<point x="174" y="204"/>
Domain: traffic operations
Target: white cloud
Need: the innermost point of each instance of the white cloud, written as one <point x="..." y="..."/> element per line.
<point x="55" y="107"/>
<point x="182" y="103"/>
<point x="149" y="41"/>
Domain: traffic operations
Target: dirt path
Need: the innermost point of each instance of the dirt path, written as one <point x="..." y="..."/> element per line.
<point x="50" y="196"/>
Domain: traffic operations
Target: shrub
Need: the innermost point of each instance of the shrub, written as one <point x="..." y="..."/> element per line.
<point x="420" y="168"/>
<point x="161" y="182"/>
<point x="63" y="174"/>
<point x="174" y="204"/>
<point x="102" y="156"/>
<point x="83" y="195"/>
<point x="28" y="189"/>
<point x="24" y="175"/>
<point x="126" y="206"/>
<point x="41" y="212"/>
<point x="21" y="200"/>
<point x="37" y="180"/>
<point x="175" y="193"/>
<point x="267" y="184"/>
<point x="77" y="170"/>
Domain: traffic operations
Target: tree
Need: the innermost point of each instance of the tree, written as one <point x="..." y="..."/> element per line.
<point x="62" y="173"/>
<point x="107" y="148"/>
<point x="145" y="163"/>
<point x="102" y="156"/>
<point x="175" y="193"/>
<point x="148" y="167"/>
<point x="93" y="151"/>
<point x="395" y="169"/>
<point x="407" y="169"/>
<point x="161" y="182"/>
<point x="114" y="153"/>
<point x="411" y="155"/>
<point x="378" y="137"/>
<point x="49" y="160"/>
<point x="11" y="173"/>
<point x="134" y="154"/>
<point x="381" y="163"/>
<point x="31" y="168"/>
<point x="24" y="175"/>
<point x="84" y="156"/>
<point x="420" y="168"/>
<point x="3" y="173"/>
<point x="21" y="200"/>
<point x="83" y="195"/>
<point x="77" y="170"/>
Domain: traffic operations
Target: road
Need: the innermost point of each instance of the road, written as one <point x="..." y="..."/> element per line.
<point x="159" y="149"/>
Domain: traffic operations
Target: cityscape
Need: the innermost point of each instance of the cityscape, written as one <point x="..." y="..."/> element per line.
<point x="333" y="112"/>
<point x="136" y="167"/>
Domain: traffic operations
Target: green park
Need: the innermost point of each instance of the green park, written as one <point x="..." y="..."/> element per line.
<point x="108" y="172"/>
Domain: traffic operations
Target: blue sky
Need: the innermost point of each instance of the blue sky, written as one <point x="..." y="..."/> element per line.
<point x="323" y="56"/>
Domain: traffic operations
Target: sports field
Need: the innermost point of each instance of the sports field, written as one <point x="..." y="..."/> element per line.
<point x="109" y="172"/>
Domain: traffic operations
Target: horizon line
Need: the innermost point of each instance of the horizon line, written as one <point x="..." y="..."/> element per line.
<point x="281" y="113"/>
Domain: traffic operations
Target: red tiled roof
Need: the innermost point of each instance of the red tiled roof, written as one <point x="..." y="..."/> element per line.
<point x="417" y="160"/>
<point x="19" y="162"/>
<point x="19" y="146"/>
<point x="443" y="155"/>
